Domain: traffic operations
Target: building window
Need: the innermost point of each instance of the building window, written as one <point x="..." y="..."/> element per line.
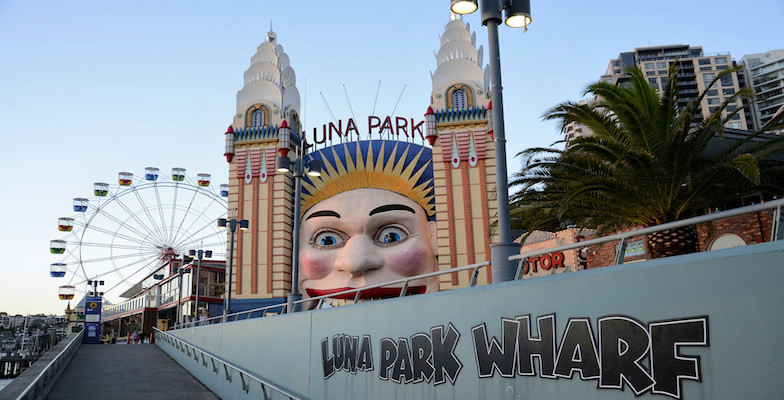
<point x="661" y="65"/>
<point x="650" y="72"/>
<point x="735" y="117"/>
<point x="704" y="61"/>
<point x="712" y="92"/>
<point x="257" y="116"/>
<point x="735" y="125"/>
<point x="726" y="80"/>
<point x="705" y="68"/>
<point x="713" y="109"/>
<point x="648" y="65"/>
<point x="721" y="67"/>
<point x="729" y="91"/>
<point x="294" y="123"/>
<point x="707" y="78"/>
<point x="721" y="60"/>
<point x="713" y="100"/>
<point x="459" y="97"/>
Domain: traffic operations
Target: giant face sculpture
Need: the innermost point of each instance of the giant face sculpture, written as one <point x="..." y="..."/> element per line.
<point x="368" y="220"/>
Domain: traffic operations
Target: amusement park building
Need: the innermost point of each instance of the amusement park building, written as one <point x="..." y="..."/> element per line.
<point x="463" y="159"/>
<point x="463" y="162"/>
<point x="166" y="296"/>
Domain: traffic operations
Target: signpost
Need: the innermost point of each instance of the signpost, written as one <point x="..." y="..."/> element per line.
<point x="92" y="320"/>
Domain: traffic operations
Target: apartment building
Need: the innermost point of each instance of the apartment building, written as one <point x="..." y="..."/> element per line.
<point x="696" y="71"/>
<point x="766" y="75"/>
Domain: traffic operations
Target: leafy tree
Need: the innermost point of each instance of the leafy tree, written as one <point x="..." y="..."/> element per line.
<point x="646" y="162"/>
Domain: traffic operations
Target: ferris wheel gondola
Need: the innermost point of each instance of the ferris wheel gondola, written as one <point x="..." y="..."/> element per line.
<point x="127" y="231"/>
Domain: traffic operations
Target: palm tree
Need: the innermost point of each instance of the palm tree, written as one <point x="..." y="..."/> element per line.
<point x="645" y="164"/>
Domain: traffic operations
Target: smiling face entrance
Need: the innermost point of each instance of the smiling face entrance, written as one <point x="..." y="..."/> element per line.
<point x="363" y="237"/>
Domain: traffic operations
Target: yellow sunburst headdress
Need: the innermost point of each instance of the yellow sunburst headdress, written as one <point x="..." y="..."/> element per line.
<point x="400" y="167"/>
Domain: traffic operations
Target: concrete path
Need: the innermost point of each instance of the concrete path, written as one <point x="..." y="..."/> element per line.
<point x="126" y="371"/>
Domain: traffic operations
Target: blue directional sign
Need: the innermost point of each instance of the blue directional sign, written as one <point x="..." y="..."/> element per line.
<point x="92" y="320"/>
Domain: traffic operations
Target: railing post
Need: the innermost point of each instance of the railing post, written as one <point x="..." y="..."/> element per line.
<point x="777" y="227"/>
<point x="474" y="276"/>
<point x="620" y="253"/>
<point x="519" y="272"/>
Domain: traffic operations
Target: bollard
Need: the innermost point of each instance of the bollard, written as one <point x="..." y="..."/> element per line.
<point x="152" y="337"/>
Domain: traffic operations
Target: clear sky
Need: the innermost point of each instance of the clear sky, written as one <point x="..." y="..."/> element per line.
<point x="91" y="88"/>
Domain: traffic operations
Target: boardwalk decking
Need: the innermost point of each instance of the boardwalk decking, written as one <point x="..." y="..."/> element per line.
<point x="126" y="371"/>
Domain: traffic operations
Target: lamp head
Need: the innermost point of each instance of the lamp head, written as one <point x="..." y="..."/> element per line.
<point x="192" y="253"/>
<point x="222" y="222"/>
<point x="518" y="13"/>
<point x="314" y="168"/>
<point x="464" y="6"/>
<point x="208" y="253"/>
<point x="244" y="224"/>
<point x="283" y="164"/>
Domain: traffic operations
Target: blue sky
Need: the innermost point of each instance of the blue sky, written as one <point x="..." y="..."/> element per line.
<point x="90" y="88"/>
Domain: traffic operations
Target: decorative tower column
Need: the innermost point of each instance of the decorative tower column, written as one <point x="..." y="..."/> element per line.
<point x="268" y="100"/>
<point x="463" y="155"/>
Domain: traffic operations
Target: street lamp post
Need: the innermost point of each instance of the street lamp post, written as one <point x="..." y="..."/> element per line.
<point x="180" y="272"/>
<point x="232" y="225"/>
<point x="199" y="254"/>
<point x="95" y="283"/>
<point x="297" y="168"/>
<point x="518" y="15"/>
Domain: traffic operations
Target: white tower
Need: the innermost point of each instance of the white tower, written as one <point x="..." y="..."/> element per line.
<point x="463" y="155"/>
<point x="262" y="257"/>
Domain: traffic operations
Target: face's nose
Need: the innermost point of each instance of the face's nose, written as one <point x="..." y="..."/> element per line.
<point x="358" y="256"/>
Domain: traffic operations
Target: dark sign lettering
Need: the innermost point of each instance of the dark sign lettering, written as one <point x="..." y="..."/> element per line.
<point x="375" y="125"/>
<point x="624" y="353"/>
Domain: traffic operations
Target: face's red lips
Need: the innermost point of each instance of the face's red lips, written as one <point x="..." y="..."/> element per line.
<point x="375" y="293"/>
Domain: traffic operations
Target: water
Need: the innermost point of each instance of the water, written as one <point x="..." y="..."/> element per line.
<point x="5" y="382"/>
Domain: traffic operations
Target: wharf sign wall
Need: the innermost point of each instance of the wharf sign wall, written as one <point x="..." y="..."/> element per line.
<point x="625" y="352"/>
<point x="393" y="127"/>
<point x="611" y="333"/>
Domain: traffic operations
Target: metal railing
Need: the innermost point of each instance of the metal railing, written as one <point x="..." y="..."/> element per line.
<point x="776" y="234"/>
<point x="318" y="302"/>
<point x="40" y="386"/>
<point x="218" y="365"/>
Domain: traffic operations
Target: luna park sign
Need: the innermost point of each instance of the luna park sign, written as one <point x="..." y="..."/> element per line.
<point x="391" y="126"/>
<point x="624" y="352"/>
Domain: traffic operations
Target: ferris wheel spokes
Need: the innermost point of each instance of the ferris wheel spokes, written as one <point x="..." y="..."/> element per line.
<point x="120" y="237"/>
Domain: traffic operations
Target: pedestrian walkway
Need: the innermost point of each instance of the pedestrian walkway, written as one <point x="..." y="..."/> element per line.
<point x="126" y="371"/>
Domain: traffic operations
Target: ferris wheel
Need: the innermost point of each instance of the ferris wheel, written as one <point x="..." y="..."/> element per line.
<point x="124" y="232"/>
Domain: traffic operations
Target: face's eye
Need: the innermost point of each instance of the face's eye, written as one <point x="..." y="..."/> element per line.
<point x="327" y="239"/>
<point x="391" y="235"/>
